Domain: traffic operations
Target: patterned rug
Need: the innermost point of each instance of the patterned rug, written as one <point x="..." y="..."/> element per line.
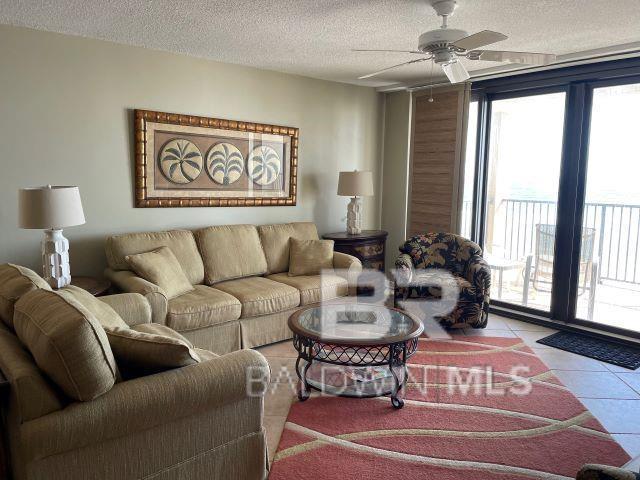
<point x="475" y="408"/>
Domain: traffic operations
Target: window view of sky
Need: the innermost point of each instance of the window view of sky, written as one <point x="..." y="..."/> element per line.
<point x="526" y="146"/>
<point x="614" y="148"/>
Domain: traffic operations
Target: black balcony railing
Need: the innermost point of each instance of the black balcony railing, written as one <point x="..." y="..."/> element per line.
<point x="616" y="226"/>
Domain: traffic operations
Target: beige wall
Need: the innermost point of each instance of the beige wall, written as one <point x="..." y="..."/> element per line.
<point x="397" y="112"/>
<point x="65" y="105"/>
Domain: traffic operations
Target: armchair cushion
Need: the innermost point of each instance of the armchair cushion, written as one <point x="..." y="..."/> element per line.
<point x="161" y="267"/>
<point x="310" y="257"/>
<point x="67" y="342"/>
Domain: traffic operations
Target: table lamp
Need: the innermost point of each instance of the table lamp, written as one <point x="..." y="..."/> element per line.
<point x="51" y="208"/>
<point x="355" y="184"/>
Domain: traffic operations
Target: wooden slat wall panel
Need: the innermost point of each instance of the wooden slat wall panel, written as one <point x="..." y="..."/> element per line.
<point x="437" y="144"/>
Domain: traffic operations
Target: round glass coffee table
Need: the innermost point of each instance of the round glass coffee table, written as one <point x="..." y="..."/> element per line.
<point x="353" y="350"/>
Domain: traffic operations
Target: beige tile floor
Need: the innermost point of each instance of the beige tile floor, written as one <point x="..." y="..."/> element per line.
<point x="611" y="393"/>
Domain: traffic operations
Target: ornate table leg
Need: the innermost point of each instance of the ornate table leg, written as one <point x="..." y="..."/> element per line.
<point x="303" y="385"/>
<point x="397" y="359"/>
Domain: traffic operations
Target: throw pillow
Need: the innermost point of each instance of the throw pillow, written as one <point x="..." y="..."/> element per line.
<point x="150" y="348"/>
<point x="67" y="342"/>
<point x="309" y="257"/>
<point x="161" y="267"/>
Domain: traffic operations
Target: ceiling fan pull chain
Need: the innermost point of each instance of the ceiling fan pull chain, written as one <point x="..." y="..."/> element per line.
<point x="431" y="85"/>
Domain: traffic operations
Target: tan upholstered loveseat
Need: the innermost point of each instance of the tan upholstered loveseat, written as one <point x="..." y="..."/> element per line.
<point x="243" y="294"/>
<point x="196" y="422"/>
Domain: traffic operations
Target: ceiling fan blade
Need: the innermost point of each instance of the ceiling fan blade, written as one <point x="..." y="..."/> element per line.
<point x="417" y="52"/>
<point x="480" y="39"/>
<point x="455" y="72"/>
<point x="528" y="58"/>
<point x="394" y="66"/>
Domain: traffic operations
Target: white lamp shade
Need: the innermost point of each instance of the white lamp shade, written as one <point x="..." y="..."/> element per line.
<point x="50" y="207"/>
<point x="355" y="184"/>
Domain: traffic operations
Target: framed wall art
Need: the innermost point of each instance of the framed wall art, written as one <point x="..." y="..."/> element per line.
<point x="188" y="161"/>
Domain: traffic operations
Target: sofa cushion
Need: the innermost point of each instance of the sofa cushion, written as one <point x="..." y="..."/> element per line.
<point x="202" y="307"/>
<point x="67" y="342"/>
<point x="150" y="348"/>
<point x="275" y="242"/>
<point x="315" y="288"/>
<point x="310" y="257"/>
<point x="261" y="296"/>
<point x="230" y="251"/>
<point x="181" y="243"/>
<point x="426" y="284"/>
<point x="161" y="267"/>
<point x="15" y="281"/>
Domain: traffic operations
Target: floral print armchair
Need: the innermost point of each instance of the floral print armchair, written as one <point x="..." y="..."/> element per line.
<point x="459" y="256"/>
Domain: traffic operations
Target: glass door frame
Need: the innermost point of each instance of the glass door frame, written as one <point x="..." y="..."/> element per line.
<point x="578" y="84"/>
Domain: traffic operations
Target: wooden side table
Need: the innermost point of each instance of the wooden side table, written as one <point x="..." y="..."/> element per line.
<point x="367" y="246"/>
<point x="95" y="286"/>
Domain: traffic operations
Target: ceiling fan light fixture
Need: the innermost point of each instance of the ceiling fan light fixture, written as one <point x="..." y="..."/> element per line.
<point x="455" y="72"/>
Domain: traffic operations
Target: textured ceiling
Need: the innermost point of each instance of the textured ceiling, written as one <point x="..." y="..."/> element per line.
<point x="314" y="37"/>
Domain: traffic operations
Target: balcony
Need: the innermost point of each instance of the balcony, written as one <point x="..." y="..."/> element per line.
<point x="519" y="248"/>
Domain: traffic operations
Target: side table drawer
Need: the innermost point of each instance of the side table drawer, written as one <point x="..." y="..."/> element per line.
<point x="371" y="250"/>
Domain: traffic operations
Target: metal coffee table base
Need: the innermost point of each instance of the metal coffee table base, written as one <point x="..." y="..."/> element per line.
<point x="323" y="367"/>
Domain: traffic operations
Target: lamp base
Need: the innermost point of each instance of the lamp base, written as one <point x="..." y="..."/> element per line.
<point x="55" y="259"/>
<point x="354" y="216"/>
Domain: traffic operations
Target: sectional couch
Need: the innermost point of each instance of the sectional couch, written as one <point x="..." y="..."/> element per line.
<point x="243" y="294"/>
<point x="198" y="421"/>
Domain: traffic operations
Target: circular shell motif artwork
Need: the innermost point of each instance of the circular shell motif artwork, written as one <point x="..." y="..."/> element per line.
<point x="263" y="165"/>
<point x="225" y="163"/>
<point x="180" y="161"/>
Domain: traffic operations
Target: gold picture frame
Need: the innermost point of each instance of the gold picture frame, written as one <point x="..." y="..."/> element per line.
<point x="190" y="161"/>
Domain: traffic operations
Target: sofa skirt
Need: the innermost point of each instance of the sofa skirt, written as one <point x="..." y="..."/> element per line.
<point x="266" y="329"/>
<point x="219" y="339"/>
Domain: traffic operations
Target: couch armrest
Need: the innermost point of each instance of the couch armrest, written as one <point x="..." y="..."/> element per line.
<point x="147" y="402"/>
<point x="132" y="307"/>
<point x="404" y="270"/>
<point x="349" y="268"/>
<point x="478" y="273"/>
<point x="128" y="282"/>
<point x="596" y="472"/>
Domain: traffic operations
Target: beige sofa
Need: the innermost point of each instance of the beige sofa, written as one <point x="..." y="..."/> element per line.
<point x="243" y="294"/>
<point x="192" y="422"/>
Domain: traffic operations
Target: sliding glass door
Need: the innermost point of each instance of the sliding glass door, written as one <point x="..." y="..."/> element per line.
<point x="521" y="195"/>
<point x="609" y="267"/>
<point x="556" y="197"/>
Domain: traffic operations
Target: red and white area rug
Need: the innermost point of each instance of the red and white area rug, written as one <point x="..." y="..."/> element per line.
<point x="475" y="408"/>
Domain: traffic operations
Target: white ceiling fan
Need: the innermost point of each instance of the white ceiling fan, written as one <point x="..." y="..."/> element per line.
<point x="446" y="46"/>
